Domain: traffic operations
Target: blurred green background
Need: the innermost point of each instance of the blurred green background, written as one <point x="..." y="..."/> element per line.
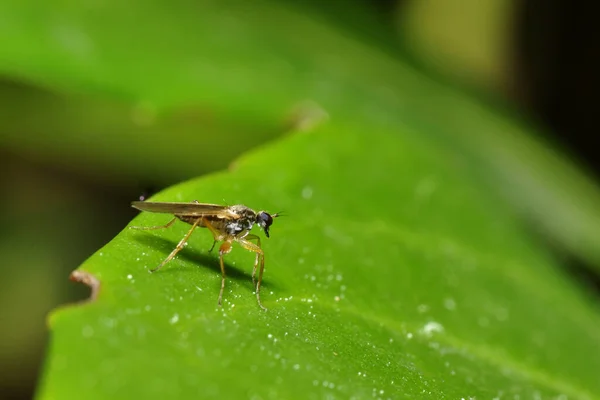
<point x="75" y="151"/>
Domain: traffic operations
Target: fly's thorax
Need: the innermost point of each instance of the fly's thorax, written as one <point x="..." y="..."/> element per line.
<point x="243" y="219"/>
<point x="238" y="226"/>
<point x="242" y="212"/>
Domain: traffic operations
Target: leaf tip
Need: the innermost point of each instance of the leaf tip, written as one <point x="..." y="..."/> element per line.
<point x="87" y="279"/>
<point x="80" y="277"/>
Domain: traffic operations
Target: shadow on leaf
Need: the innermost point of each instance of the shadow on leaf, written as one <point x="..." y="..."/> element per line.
<point x="196" y="257"/>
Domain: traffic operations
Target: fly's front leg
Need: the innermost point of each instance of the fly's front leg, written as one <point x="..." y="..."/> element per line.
<point x="179" y="246"/>
<point x="257" y="238"/>
<point x="248" y="245"/>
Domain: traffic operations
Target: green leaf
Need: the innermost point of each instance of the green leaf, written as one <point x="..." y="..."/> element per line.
<point x="391" y="276"/>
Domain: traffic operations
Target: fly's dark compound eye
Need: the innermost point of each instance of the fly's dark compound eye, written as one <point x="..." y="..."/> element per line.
<point x="264" y="220"/>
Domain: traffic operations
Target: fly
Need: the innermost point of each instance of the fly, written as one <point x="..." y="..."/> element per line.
<point x="227" y="224"/>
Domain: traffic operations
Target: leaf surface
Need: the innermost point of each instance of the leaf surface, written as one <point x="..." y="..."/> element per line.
<point x="389" y="277"/>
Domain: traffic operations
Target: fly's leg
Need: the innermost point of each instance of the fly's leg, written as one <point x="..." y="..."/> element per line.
<point x="149" y="228"/>
<point x="179" y="246"/>
<point x="248" y="245"/>
<point x="213" y="245"/>
<point x="224" y="249"/>
<point x="257" y="238"/>
<point x="216" y="235"/>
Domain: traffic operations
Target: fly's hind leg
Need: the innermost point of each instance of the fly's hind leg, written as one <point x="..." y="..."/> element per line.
<point x="149" y="228"/>
<point x="179" y="246"/>
<point x="260" y="255"/>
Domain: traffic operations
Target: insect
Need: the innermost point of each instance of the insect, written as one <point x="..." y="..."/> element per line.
<point x="227" y="224"/>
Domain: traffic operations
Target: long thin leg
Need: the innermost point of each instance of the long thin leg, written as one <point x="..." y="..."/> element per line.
<point x="149" y="228"/>
<point x="256" y="249"/>
<point x="224" y="249"/>
<point x="216" y="234"/>
<point x="213" y="245"/>
<point x="179" y="246"/>
<point x="257" y="238"/>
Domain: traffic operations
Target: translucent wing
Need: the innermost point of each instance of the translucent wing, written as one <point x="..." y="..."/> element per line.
<point x="191" y="209"/>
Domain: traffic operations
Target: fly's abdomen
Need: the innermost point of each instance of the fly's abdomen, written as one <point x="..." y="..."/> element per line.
<point x="189" y="219"/>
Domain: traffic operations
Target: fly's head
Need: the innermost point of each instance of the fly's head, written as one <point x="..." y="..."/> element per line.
<point x="264" y="220"/>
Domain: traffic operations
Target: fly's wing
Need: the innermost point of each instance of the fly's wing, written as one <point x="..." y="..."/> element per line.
<point x="190" y="209"/>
